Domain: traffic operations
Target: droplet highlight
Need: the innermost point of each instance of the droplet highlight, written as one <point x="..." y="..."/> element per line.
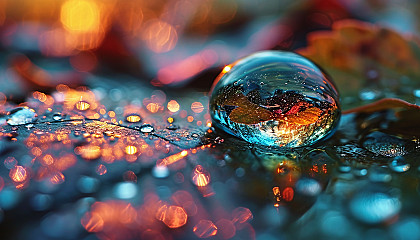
<point x="275" y="98"/>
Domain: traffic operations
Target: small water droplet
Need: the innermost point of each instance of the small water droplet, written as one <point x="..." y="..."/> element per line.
<point x="281" y="112"/>
<point x="133" y="118"/>
<point x="399" y="164"/>
<point x="57" y="116"/>
<point x="172" y="127"/>
<point x="200" y="177"/>
<point x="82" y="105"/>
<point x="20" y="116"/>
<point x="147" y="128"/>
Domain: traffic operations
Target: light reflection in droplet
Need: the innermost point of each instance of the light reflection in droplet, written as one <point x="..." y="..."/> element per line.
<point x="200" y="176"/>
<point x="133" y="118"/>
<point x="131" y="150"/>
<point x="18" y="174"/>
<point x="82" y="105"/>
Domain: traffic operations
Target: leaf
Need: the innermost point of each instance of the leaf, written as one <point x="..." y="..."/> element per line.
<point x="383" y="104"/>
<point x="246" y="111"/>
<point x="306" y="117"/>
<point x="358" y="54"/>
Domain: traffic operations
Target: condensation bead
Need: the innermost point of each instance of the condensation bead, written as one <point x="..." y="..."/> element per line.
<point x="275" y="98"/>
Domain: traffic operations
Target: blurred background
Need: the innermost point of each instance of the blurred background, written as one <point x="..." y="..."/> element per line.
<point x="164" y="43"/>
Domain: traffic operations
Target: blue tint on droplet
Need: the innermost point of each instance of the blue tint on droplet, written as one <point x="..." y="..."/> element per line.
<point x="20" y="116"/>
<point x="275" y="98"/>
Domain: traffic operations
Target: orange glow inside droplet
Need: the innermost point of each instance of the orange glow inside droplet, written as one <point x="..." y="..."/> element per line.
<point x="130" y="150"/>
<point x="173" y="216"/>
<point x="288" y="194"/>
<point x="190" y="118"/>
<point x="173" y="106"/>
<point x="133" y="118"/>
<point x="82" y="105"/>
<point x="153" y="107"/>
<point x="57" y="178"/>
<point x="197" y="107"/>
<point x="18" y="174"/>
<point x="200" y="177"/>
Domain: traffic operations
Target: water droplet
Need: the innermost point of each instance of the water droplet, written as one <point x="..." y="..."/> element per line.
<point x="373" y="207"/>
<point x="200" y="176"/>
<point x="384" y="144"/>
<point x="299" y="113"/>
<point x="399" y="164"/>
<point x="147" y="128"/>
<point x="57" y="116"/>
<point x="20" y="116"/>
<point x="82" y="105"/>
<point x="133" y="118"/>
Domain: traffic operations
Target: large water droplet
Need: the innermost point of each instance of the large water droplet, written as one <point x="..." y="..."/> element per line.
<point x="147" y="128"/>
<point x="20" y="116"/>
<point x="275" y="98"/>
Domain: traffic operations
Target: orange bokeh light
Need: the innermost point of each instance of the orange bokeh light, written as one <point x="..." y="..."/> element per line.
<point x="159" y="35"/>
<point x="197" y="107"/>
<point x="200" y="176"/>
<point x="173" y="106"/>
<point x="18" y="174"/>
<point x="172" y="216"/>
<point x="80" y="15"/>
